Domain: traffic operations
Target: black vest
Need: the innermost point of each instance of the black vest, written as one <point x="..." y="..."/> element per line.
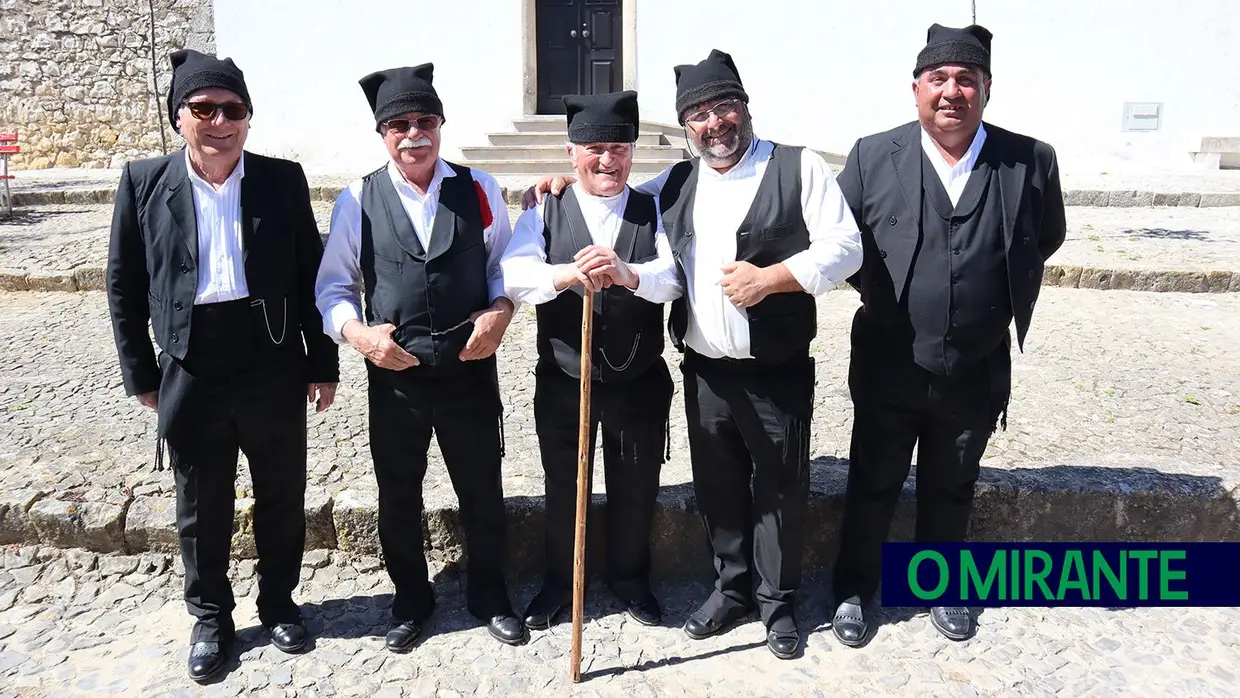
<point x="783" y="324"/>
<point x="628" y="331"/>
<point x="958" y="300"/>
<point x="428" y="294"/>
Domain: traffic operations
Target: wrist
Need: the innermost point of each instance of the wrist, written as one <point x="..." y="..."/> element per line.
<point x="504" y="305"/>
<point x="350" y="329"/>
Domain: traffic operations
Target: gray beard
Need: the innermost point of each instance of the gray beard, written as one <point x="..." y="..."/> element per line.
<point x="727" y="154"/>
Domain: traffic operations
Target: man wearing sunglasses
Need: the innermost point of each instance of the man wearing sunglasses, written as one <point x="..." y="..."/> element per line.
<point x="218" y="249"/>
<point x="602" y="236"/>
<point x="411" y="279"/>
<point x="957" y="217"/>
<point x="757" y="230"/>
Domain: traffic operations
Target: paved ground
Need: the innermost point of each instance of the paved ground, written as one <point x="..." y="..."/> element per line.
<point x="62" y="237"/>
<point x="72" y="623"/>
<point x="1109" y="378"/>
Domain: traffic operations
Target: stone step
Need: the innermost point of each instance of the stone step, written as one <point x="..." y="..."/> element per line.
<point x="533" y="166"/>
<point x="556" y="153"/>
<point x="559" y="138"/>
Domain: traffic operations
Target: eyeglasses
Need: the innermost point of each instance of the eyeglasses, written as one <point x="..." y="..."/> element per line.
<point x="721" y="110"/>
<point x="430" y="122"/>
<point x="206" y="111"/>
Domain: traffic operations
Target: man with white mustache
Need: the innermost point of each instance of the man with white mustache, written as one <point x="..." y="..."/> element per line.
<point x="419" y="240"/>
<point x="958" y="218"/>
<point x="757" y="230"/>
<point x="602" y="236"/>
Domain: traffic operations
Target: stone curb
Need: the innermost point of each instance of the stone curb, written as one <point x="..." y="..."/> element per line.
<point x="1059" y="503"/>
<point x="1071" y="197"/>
<point x="1172" y="281"/>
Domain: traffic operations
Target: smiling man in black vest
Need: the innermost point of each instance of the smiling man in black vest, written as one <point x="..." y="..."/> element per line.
<point x="957" y="218"/>
<point x="601" y="235"/>
<point x="217" y="249"/>
<point x="423" y="237"/>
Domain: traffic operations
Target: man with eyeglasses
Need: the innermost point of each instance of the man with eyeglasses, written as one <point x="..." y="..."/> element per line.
<point x="958" y="218"/>
<point x="602" y="236"/>
<point x="418" y="243"/>
<point x="757" y="230"/>
<point x="217" y="249"/>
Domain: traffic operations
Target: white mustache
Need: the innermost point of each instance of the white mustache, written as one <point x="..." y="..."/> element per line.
<point x="407" y="143"/>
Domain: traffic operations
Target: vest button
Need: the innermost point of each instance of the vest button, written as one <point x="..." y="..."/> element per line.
<point x="175" y="339"/>
<point x="882" y="253"/>
<point x="1026" y="240"/>
<point x="688" y="233"/>
<point x="956" y="251"/>
<point x="184" y="269"/>
<point x="1032" y="273"/>
<point x="178" y="305"/>
<point x="604" y="327"/>
<point x="892" y="221"/>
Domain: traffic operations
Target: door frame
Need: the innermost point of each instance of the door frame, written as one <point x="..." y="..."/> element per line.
<point x="529" y="51"/>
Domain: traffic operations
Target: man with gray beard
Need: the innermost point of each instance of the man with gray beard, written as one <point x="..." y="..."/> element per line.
<point x="420" y="240"/>
<point x="757" y="230"/>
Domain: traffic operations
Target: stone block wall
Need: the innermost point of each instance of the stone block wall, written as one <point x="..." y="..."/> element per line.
<point x="77" y="80"/>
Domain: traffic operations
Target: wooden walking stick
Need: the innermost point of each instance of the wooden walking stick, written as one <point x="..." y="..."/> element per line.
<point x="583" y="480"/>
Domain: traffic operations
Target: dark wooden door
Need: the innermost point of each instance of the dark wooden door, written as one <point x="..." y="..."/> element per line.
<point x="578" y="50"/>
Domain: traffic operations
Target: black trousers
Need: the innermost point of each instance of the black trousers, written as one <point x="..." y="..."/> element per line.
<point x="633" y="416"/>
<point x="897" y="404"/>
<point x="234" y="400"/>
<point x="463" y="412"/>
<point x="749" y="442"/>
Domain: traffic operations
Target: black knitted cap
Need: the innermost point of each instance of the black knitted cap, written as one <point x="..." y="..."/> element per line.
<point x="970" y="45"/>
<point x="401" y="90"/>
<point x="713" y="78"/>
<point x="607" y="118"/>
<point x="193" y="71"/>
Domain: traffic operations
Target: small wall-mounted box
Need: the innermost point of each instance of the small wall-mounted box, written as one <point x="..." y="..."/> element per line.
<point x="1142" y="116"/>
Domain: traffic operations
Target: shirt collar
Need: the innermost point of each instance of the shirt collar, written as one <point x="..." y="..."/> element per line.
<point x="398" y="180"/>
<point x="615" y="201"/>
<point x="747" y="165"/>
<point x="965" y="163"/>
<point x="237" y="173"/>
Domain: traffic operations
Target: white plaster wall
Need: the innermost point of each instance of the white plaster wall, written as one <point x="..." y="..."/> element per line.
<point x="823" y="74"/>
<point x="302" y="60"/>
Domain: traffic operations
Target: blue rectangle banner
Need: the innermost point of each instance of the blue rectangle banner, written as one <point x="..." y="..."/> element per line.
<point x="1061" y="574"/>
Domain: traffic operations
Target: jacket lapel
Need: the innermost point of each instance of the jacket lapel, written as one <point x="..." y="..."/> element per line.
<point x="180" y="204"/>
<point x="454" y="191"/>
<point x="906" y="159"/>
<point x="1011" y="184"/>
<point x="251" y="213"/>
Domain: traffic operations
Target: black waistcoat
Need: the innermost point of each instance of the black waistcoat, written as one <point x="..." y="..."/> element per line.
<point x="628" y="331"/>
<point x="428" y="294"/>
<point x="958" y="300"/>
<point x="783" y="324"/>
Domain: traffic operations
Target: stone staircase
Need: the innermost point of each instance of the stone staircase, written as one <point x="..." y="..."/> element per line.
<point x="535" y="147"/>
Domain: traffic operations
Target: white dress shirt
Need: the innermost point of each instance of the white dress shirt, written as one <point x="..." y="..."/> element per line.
<point x="954" y="177"/>
<point x="221" y="264"/>
<point x="528" y="278"/>
<point x="717" y="328"/>
<point x="338" y="288"/>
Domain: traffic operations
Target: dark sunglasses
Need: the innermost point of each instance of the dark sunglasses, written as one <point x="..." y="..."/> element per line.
<point x="206" y="111"/>
<point x="430" y="122"/>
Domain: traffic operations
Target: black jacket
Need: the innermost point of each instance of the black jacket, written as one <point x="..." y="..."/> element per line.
<point x="882" y="183"/>
<point x="153" y="256"/>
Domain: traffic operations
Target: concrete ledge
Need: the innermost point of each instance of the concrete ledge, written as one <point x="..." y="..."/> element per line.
<point x="1064" y="276"/>
<point x="1072" y="197"/>
<point x="1057" y="503"/>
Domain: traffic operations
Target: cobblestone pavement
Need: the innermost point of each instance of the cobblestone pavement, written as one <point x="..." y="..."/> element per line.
<point x="1112" y="379"/>
<point x="64" y="236"/>
<point x="73" y="623"/>
<point x="1181" y="239"/>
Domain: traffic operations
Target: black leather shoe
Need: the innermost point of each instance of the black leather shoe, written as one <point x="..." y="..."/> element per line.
<point x="955" y="622"/>
<point x="205" y="660"/>
<point x="782" y="643"/>
<point x="543" y="609"/>
<point x="700" y="626"/>
<point x="288" y="637"/>
<point x="508" y="629"/>
<point x="402" y="637"/>
<point x="645" y="611"/>
<point x="849" y="623"/>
